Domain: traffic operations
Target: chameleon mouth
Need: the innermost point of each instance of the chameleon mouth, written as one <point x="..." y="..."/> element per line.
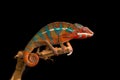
<point x="90" y="34"/>
<point x="88" y="31"/>
<point x="81" y="35"/>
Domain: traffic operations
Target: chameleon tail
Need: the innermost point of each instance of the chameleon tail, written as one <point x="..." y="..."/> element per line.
<point x="31" y="60"/>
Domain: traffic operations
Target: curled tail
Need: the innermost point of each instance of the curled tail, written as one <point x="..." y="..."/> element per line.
<point x="30" y="59"/>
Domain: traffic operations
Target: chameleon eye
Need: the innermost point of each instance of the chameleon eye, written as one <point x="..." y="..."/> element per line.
<point x="78" y="25"/>
<point x="84" y="29"/>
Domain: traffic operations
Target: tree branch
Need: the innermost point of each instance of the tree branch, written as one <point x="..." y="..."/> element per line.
<point x="45" y="54"/>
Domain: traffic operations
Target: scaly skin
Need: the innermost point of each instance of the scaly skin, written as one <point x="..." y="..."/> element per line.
<point x="52" y="34"/>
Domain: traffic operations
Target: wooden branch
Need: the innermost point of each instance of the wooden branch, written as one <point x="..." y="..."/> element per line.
<point x="20" y="67"/>
<point x="45" y="54"/>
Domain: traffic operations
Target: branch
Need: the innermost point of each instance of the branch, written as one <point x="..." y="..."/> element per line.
<point x="45" y="54"/>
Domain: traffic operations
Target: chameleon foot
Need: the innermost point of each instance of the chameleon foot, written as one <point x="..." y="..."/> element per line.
<point x="70" y="49"/>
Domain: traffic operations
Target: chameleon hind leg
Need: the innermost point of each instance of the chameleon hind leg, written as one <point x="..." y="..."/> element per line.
<point x="51" y="47"/>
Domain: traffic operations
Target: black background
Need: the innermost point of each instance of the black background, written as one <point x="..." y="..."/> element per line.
<point x="19" y="28"/>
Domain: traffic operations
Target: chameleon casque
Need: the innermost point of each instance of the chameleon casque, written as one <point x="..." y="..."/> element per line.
<point x="55" y="33"/>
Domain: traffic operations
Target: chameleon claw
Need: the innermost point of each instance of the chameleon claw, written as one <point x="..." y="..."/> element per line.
<point x="69" y="53"/>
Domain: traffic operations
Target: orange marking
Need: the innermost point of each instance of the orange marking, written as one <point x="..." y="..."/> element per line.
<point x="30" y="62"/>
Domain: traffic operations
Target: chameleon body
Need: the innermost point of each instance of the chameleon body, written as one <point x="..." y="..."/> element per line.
<point x="52" y="34"/>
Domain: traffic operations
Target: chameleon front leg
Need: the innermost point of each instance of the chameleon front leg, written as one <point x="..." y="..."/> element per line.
<point x="70" y="49"/>
<point x="61" y="43"/>
<point x="62" y="46"/>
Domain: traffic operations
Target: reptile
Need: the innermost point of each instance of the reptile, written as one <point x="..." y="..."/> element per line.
<point x="52" y="34"/>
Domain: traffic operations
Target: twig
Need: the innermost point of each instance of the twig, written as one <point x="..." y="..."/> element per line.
<point x="45" y="54"/>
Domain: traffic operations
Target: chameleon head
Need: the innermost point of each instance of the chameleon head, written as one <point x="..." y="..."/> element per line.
<point x="82" y="32"/>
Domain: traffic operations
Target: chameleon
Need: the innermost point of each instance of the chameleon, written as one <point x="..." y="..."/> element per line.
<point x="52" y="34"/>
